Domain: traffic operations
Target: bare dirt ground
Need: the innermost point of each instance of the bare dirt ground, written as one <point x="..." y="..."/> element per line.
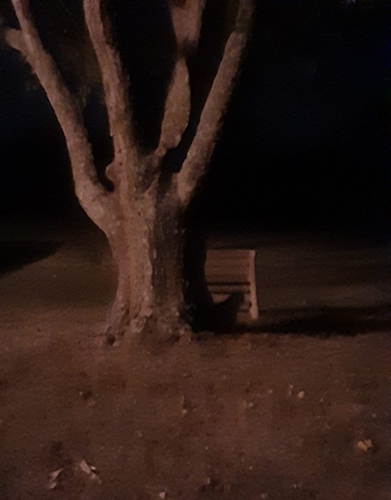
<point x="297" y="407"/>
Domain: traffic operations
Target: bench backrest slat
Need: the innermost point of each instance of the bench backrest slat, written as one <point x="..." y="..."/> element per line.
<point x="233" y="270"/>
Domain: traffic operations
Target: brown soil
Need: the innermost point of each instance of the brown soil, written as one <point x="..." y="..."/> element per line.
<point x="257" y="415"/>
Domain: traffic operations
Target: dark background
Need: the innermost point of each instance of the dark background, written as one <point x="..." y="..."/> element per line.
<point x="306" y="142"/>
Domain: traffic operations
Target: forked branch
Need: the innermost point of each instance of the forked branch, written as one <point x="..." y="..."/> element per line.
<point x="92" y="195"/>
<point x="202" y="146"/>
<point x="115" y="87"/>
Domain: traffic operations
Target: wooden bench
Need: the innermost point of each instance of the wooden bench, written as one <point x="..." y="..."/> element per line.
<point x="231" y="271"/>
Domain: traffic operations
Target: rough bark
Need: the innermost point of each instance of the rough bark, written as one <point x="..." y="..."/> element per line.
<point x="142" y="216"/>
<point x="150" y="265"/>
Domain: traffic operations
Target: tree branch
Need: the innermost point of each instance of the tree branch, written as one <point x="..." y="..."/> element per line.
<point x="186" y="21"/>
<point x="115" y="86"/>
<point x="90" y="192"/>
<point x="202" y="146"/>
<point x="14" y="39"/>
<point x="177" y="109"/>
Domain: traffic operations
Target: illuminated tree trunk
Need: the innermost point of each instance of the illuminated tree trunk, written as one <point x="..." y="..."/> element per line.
<point x="148" y="251"/>
<point x="142" y="215"/>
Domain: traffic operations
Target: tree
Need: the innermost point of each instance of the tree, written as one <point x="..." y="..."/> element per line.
<point x="140" y="198"/>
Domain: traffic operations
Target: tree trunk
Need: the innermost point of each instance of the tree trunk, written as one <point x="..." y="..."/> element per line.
<point x="142" y="216"/>
<point x="147" y="246"/>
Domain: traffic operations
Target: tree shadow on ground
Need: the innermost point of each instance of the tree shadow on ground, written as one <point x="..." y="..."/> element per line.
<point x="16" y="254"/>
<point x="321" y="321"/>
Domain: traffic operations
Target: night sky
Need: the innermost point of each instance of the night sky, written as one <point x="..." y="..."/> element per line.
<point x="306" y="142"/>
